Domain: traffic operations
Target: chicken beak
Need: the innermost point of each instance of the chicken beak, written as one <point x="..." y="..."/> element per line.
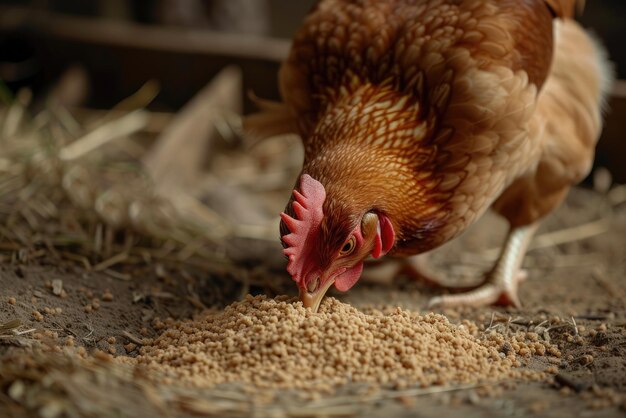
<point x="313" y="299"/>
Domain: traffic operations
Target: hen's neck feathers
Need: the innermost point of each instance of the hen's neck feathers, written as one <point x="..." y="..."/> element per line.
<point x="379" y="118"/>
<point x="370" y="149"/>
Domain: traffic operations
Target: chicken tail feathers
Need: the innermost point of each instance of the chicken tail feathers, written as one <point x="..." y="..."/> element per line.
<point x="273" y="118"/>
<point x="566" y="8"/>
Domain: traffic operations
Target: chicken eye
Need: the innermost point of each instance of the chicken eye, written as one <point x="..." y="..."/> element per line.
<point x="348" y="247"/>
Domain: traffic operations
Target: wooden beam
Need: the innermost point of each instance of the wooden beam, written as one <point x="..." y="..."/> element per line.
<point x="147" y="37"/>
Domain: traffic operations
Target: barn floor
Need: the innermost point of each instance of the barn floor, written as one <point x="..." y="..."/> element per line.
<point x="578" y="276"/>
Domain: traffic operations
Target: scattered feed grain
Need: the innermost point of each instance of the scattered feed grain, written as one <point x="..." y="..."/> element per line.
<point x="277" y="343"/>
<point x="37" y="315"/>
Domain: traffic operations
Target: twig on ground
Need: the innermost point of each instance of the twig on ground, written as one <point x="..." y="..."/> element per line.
<point x="10" y="325"/>
<point x="132" y="338"/>
<point x="575" y="326"/>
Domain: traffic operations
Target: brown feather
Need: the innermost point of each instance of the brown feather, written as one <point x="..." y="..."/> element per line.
<point x="428" y="111"/>
<point x="273" y="118"/>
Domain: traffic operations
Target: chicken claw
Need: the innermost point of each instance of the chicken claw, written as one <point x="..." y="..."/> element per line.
<point x="502" y="282"/>
<point x="502" y="292"/>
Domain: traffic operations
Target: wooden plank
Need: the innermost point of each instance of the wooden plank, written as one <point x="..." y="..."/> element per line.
<point x="147" y="37"/>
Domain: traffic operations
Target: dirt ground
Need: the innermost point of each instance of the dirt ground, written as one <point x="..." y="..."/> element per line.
<point x="581" y="280"/>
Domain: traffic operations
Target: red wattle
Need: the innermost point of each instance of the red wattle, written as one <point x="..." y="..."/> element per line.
<point x="385" y="237"/>
<point x="348" y="278"/>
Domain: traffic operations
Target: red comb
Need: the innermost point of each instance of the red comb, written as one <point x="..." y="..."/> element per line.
<point x="304" y="227"/>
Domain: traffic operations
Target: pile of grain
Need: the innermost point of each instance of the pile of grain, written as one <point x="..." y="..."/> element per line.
<point x="276" y="343"/>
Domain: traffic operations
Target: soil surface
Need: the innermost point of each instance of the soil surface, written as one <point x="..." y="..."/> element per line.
<point x="580" y="281"/>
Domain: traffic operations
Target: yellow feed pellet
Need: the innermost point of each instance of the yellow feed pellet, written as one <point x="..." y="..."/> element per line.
<point x="277" y="343"/>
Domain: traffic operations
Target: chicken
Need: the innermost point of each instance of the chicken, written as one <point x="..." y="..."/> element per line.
<point x="418" y="116"/>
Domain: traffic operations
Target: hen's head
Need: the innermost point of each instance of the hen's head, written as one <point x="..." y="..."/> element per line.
<point x="326" y="249"/>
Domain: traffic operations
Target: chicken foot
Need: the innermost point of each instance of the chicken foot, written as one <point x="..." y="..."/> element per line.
<point x="502" y="281"/>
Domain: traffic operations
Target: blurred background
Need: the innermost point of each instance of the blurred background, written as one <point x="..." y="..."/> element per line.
<point x="102" y="51"/>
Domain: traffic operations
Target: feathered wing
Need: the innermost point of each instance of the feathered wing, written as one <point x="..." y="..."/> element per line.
<point x="276" y="118"/>
<point x="567" y="123"/>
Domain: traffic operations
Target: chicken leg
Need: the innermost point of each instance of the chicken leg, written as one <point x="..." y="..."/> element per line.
<point x="417" y="266"/>
<point x="502" y="281"/>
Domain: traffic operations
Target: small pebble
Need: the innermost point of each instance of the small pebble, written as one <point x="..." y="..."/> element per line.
<point x="57" y="287"/>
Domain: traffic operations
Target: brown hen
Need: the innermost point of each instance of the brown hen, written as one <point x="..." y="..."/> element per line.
<point x="418" y="116"/>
